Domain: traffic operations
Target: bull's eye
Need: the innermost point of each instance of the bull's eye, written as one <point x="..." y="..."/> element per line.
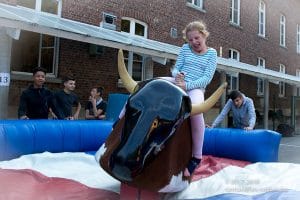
<point x="154" y="124"/>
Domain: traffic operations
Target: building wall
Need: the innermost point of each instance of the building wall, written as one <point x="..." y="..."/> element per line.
<point x="160" y="16"/>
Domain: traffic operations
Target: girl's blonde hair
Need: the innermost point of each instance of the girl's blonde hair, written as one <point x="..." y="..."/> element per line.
<point x="195" y="25"/>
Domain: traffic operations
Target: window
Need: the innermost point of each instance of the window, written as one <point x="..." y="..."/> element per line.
<point x="298" y="38"/>
<point x="235" y="12"/>
<point x="198" y="4"/>
<point x="282" y="30"/>
<point x="298" y="88"/>
<point x="260" y="82"/>
<point x="134" y="27"/>
<point x="232" y="78"/>
<point x="281" y="84"/>
<point x="234" y="54"/>
<point x="134" y="62"/>
<point x="34" y="49"/>
<point x="262" y="19"/>
<point x="48" y="6"/>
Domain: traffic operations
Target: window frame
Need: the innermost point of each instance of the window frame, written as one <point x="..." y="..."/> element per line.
<point x="281" y="92"/>
<point x="260" y="88"/>
<point x="262" y="19"/>
<point x="129" y="59"/>
<point x="55" y="56"/>
<point x="233" y="77"/>
<point x="133" y="22"/>
<point x="282" y="31"/>
<point x="231" y="54"/>
<point x="235" y="9"/>
<point x="196" y="4"/>
<point x="38" y="8"/>
<point x="54" y="71"/>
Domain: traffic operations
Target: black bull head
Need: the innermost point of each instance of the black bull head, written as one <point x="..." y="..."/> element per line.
<point x="155" y="113"/>
<point x="152" y="116"/>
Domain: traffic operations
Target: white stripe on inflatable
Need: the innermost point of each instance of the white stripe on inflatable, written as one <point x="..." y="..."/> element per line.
<point x="253" y="179"/>
<point x="80" y="167"/>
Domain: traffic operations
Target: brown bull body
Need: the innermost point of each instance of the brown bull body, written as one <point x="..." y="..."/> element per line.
<point x="152" y="143"/>
<point x="150" y="147"/>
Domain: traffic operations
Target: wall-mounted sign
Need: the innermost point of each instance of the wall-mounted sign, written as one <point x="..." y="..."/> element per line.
<point x="4" y="79"/>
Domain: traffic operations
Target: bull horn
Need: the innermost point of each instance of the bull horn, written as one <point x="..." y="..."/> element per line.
<point x="128" y="82"/>
<point x="210" y="102"/>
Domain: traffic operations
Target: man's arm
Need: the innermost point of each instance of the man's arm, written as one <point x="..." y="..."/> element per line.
<point x="252" y="115"/>
<point x="22" y="107"/>
<point x="223" y="113"/>
<point x="57" y="113"/>
<point x="76" y="114"/>
<point x="95" y="110"/>
<point x="101" y="111"/>
<point x="52" y="114"/>
<point x="87" y="114"/>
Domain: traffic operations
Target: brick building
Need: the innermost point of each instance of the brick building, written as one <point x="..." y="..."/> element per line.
<point x="259" y="33"/>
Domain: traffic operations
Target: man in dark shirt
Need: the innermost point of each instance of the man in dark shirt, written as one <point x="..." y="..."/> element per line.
<point x="35" y="101"/>
<point x="65" y="99"/>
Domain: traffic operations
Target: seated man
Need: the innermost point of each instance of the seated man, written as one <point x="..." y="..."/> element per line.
<point x="96" y="106"/>
<point x="243" y="111"/>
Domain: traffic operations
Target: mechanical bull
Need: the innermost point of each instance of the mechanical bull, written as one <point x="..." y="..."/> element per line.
<point x="151" y="145"/>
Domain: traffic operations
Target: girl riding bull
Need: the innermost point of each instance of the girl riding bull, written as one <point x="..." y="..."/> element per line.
<point x="193" y="71"/>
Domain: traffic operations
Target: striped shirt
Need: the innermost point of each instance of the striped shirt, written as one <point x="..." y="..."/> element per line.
<point x="243" y="116"/>
<point x="198" y="69"/>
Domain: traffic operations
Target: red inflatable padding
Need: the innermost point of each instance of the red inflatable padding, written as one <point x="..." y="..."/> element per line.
<point x="210" y="165"/>
<point x="29" y="185"/>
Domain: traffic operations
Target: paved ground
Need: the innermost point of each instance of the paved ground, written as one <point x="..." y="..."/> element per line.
<point x="289" y="150"/>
